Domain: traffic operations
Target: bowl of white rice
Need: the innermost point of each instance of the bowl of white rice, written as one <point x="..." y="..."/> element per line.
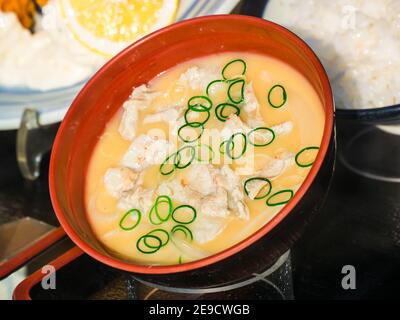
<point x="358" y="42"/>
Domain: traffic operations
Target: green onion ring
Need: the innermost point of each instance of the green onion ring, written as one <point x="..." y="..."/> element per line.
<point x="299" y="154"/>
<point x="234" y="82"/>
<point x="153" y="248"/>
<point x="255" y="179"/>
<point x="230" y="63"/>
<point x="192" y="125"/>
<point x="191" y="110"/>
<point x="222" y="146"/>
<point x="183" y="207"/>
<point x="163" y="199"/>
<point x="151" y="218"/>
<point x="210" y="85"/>
<point x="220" y="109"/>
<point x="273" y="204"/>
<point x="152" y="233"/>
<point x="195" y="106"/>
<point x="165" y="173"/>
<point x="284" y="96"/>
<point x="128" y="213"/>
<point x="184" y="229"/>
<point x="178" y="157"/>
<point x="198" y="156"/>
<point x="263" y="144"/>
<point x="231" y="142"/>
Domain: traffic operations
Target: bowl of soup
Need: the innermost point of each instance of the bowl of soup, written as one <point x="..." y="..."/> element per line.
<point x="193" y="144"/>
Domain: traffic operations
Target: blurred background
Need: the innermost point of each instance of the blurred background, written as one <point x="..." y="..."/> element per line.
<point x="50" y="48"/>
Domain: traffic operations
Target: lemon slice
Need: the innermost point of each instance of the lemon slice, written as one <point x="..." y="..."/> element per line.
<point x="108" y="26"/>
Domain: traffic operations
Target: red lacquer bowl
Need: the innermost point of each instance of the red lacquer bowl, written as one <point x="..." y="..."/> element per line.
<point x="104" y="94"/>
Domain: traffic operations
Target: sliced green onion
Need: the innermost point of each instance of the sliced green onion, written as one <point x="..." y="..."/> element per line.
<point x="199" y="153"/>
<point x="211" y="84"/>
<point x="184" y="207"/>
<point x="163" y="167"/>
<point x="155" y="231"/>
<point x="199" y="103"/>
<point x="179" y="161"/>
<point x="160" y="200"/>
<point x="231" y="142"/>
<point x="298" y="156"/>
<point x="284" y="96"/>
<point x="128" y="214"/>
<point x="267" y="184"/>
<point x="289" y="193"/>
<point x="180" y="260"/>
<point x="222" y="146"/>
<point x="227" y="69"/>
<point x="185" y="230"/>
<point x="255" y="132"/>
<point x="187" y="120"/>
<point x="144" y="239"/>
<point x="191" y="125"/>
<point x="181" y="164"/>
<point x="219" y="111"/>
<point x="231" y="90"/>
<point x="153" y="218"/>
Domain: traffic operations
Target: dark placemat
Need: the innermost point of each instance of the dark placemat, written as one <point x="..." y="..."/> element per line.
<point x="19" y="197"/>
<point x="359" y="226"/>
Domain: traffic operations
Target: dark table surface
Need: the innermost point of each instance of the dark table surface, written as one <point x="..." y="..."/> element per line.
<point x="359" y="224"/>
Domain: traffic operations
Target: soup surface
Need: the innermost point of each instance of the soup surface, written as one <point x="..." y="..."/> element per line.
<point x="201" y="157"/>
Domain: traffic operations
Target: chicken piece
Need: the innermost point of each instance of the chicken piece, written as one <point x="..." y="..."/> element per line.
<point x="212" y="204"/>
<point x="143" y="96"/>
<point x="283" y="128"/>
<point x="168" y="115"/>
<point x="197" y="194"/>
<point x="250" y="100"/>
<point x="276" y="166"/>
<point x="174" y="127"/>
<point x="119" y="180"/>
<point x="251" y="107"/>
<point x="254" y="187"/>
<point x="215" y="204"/>
<point x="179" y="192"/>
<point x="140" y="99"/>
<point x="138" y="198"/>
<point x="128" y="124"/>
<point x="231" y="183"/>
<point x="145" y="151"/>
<point x="207" y="229"/>
<point x="201" y="178"/>
<point x="233" y="125"/>
<point x="198" y="78"/>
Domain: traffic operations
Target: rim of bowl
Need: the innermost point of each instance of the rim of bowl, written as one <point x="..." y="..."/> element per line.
<point x="27" y="91"/>
<point x="371" y="115"/>
<point x="167" y="269"/>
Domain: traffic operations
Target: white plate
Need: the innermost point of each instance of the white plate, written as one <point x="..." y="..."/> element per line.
<point x="53" y="104"/>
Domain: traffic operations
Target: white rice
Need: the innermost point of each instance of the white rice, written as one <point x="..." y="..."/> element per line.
<point x="358" y="42"/>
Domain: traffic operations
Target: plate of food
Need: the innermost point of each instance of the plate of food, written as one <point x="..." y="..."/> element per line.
<point x="179" y="159"/>
<point x="50" y="48"/>
<point x="358" y="42"/>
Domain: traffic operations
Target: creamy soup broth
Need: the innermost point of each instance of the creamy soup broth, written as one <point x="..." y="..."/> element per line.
<point x="120" y="177"/>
